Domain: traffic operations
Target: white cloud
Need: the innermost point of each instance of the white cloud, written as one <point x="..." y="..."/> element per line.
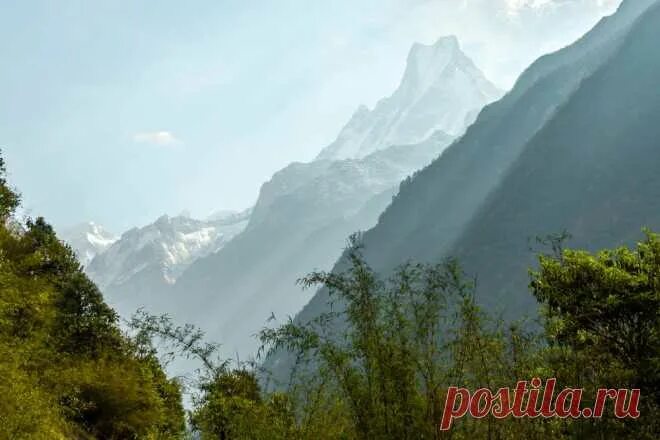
<point x="161" y="138"/>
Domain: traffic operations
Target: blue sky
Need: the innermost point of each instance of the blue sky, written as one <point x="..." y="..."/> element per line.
<point x="119" y="111"/>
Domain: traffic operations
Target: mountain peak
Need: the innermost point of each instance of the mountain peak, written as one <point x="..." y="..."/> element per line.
<point x="441" y="90"/>
<point x="427" y="63"/>
<point x="447" y="43"/>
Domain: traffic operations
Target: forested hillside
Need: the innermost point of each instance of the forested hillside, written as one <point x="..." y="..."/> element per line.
<point x="592" y="171"/>
<point x="67" y="370"/>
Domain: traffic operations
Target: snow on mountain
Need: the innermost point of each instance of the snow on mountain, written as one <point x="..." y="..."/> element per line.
<point x="163" y="249"/>
<point x="88" y="240"/>
<point x="441" y="90"/>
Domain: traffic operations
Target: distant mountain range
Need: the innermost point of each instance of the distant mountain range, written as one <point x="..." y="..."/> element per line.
<point x="131" y="269"/>
<point x="574" y="146"/>
<point x="307" y="210"/>
<point x="230" y="278"/>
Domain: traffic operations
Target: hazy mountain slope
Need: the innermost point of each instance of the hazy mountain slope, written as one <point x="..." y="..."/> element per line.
<point x="88" y="240"/>
<point x="439" y="202"/>
<point x="295" y="228"/>
<point x="306" y="212"/>
<point x="441" y="90"/>
<point x="593" y="170"/>
<point x="145" y="261"/>
<point x="431" y="213"/>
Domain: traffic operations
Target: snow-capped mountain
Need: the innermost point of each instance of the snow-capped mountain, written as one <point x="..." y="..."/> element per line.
<point x="441" y="90"/>
<point x="145" y="260"/>
<point x="88" y="240"/>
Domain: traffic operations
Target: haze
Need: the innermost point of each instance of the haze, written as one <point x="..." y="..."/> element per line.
<point x="135" y="109"/>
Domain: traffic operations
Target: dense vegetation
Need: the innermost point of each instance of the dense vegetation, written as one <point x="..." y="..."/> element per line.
<point x="67" y="370"/>
<point x="412" y="336"/>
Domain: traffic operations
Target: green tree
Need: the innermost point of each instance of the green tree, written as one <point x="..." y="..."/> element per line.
<point x="68" y="371"/>
<point x="9" y="199"/>
<point x="603" y="325"/>
<point x="406" y="340"/>
<point x="229" y="404"/>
